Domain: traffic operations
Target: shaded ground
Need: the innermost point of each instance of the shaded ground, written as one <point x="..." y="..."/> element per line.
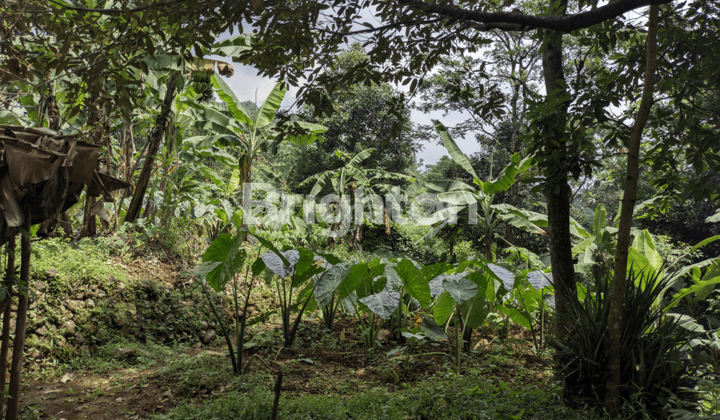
<point x="137" y="380"/>
<point x="152" y="382"/>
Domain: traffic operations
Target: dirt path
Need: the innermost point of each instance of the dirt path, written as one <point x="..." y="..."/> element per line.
<point x="127" y="393"/>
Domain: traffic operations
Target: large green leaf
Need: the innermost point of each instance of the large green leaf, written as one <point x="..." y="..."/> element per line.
<point x="210" y="119"/>
<point x="416" y="285"/>
<point x="228" y="96"/>
<point x="329" y="282"/>
<point x="446" y="185"/>
<point x="444" y="307"/>
<point x="455" y="153"/>
<point x="599" y="221"/>
<point x="645" y="245"/>
<point x="360" y="157"/>
<point x="267" y="110"/>
<point x="458" y="198"/>
<point x="474" y="311"/>
<point x="508" y="176"/>
<point x="460" y="288"/>
<point x="358" y="275"/>
<point x="281" y="263"/>
<point x="383" y="304"/>
<point x="306" y="267"/>
<point x="517" y="316"/>
<point x="228" y="252"/>
<point x="233" y="46"/>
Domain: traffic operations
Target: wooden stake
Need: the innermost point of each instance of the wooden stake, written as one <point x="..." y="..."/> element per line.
<point x="7" y="313"/>
<point x="13" y="406"/>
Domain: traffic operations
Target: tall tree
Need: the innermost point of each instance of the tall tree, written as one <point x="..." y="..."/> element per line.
<point x="615" y="319"/>
<point x="365" y="117"/>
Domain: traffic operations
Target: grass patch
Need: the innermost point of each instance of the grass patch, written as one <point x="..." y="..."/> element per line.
<point x="81" y="262"/>
<point x="446" y="396"/>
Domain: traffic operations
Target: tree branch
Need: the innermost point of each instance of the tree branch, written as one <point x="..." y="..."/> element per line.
<point x="514" y="21"/>
<point x="112" y="11"/>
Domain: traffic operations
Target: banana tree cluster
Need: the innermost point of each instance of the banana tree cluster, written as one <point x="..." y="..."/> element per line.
<point x="480" y="196"/>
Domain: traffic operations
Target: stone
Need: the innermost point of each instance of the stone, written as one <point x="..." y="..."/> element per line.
<point x="79" y="296"/>
<point x="69" y="326"/>
<point x="74" y="305"/>
<point x="170" y="319"/>
<point x="90" y="303"/>
<point x="41" y="331"/>
<point x="52" y="273"/>
<point x="203" y="325"/>
<point x="208" y="336"/>
<point x="384" y="335"/>
<point x="127" y="353"/>
<point x="40" y="285"/>
<point x="79" y="338"/>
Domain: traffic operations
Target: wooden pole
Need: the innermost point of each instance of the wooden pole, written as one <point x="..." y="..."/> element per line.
<point x="13" y="406"/>
<point x="7" y="313"/>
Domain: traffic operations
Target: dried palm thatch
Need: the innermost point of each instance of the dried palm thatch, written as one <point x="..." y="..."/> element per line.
<point x="41" y="175"/>
<point x="46" y="171"/>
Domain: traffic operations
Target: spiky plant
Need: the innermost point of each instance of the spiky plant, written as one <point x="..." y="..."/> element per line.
<point x="656" y="355"/>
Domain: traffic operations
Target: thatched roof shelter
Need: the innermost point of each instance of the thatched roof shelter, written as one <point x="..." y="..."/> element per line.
<point x="47" y="171"/>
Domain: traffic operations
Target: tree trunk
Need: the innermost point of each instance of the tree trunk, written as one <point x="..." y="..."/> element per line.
<point x="7" y="314"/>
<point x="13" y="405"/>
<point x="557" y="189"/>
<point x="98" y="124"/>
<point x="619" y="286"/>
<point x="155" y="140"/>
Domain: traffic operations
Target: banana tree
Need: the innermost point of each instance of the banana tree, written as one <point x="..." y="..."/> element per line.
<point x="352" y="178"/>
<point x="249" y="134"/>
<point x="459" y="194"/>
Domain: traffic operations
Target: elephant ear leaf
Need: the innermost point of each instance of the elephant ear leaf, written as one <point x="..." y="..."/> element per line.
<point x="329" y="282"/>
<point x="539" y="280"/>
<point x="274" y="263"/>
<point x="504" y="275"/>
<point x="225" y="256"/>
<point x="460" y="288"/>
<point x="383" y="304"/>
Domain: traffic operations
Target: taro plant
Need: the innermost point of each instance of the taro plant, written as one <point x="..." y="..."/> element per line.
<point x="461" y="300"/>
<point x="326" y="290"/>
<point x="221" y="263"/>
<point x="292" y="269"/>
<point x="363" y="291"/>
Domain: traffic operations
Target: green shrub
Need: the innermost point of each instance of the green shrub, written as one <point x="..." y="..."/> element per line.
<point x="656" y="358"/>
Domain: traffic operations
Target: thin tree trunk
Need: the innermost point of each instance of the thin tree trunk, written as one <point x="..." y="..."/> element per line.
<point x="619" y="286"/>
<point x="7" y="314"/>
<point x="63" y="219"/>
<point x="13" y="406"/>
<point x="155" y="140"/>
<point x="557" y="189"/>
<point x="98" y="124"/>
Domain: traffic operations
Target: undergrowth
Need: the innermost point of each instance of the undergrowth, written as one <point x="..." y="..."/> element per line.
<point x="443" y="397"/>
